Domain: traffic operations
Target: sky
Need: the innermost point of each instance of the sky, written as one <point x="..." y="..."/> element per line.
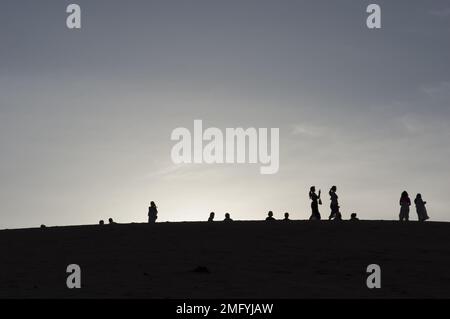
<point x="86" y="115"/>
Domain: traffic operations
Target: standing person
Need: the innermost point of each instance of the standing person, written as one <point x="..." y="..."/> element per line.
<point x="334" y="206"/>
<point x="405" y="202"/>
<point x="211" y="217"/>
<point x="227" y="218"/>
<point x="315" y="201"/>
<point x="420" y="208"/>
<point x="152" y="213"/>
<point x="286" y="216"/>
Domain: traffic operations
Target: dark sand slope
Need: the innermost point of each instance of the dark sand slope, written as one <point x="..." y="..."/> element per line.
<point x="245" y="260"/>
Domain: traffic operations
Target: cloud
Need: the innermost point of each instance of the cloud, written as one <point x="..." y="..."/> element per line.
<point x="441" y="13"/>
<point x="165" y="171"/>
<point x="307" y="130"/>
<point x="427" y="127"/>
<point x="412" y="124"/>
<point x="438" y="90"/>
<point x="188" y="172"/>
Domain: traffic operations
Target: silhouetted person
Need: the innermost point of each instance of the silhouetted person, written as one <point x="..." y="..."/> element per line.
<point x="353" y="217"/>
<point x="101" y="222"/>
<point x="420" y="208"/>
<point x="270" y="216"/>
<point x="315" y="199"/>
<point x="227" y="218"/>
<point x="211" y="217"/>
<point x="286" y="217"/>
<point x="334" y="206"/>
<point x="152" y="213"/>
<point x="405" y="202"/>
<point x="111" y="221"/>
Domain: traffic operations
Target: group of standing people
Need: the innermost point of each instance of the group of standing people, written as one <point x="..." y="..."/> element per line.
<point x="335" y="214"/>
<point x="405" y="203"/>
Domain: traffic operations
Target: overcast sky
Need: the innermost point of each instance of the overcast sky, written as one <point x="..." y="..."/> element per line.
<point x="86" y="116"/>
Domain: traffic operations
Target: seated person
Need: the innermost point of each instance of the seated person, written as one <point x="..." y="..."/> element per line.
<point x="270" y="216"/>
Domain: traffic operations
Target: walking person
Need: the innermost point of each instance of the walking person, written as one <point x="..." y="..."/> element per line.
<point x="334" y="206"/>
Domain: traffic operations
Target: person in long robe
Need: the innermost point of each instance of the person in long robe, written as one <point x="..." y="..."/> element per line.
<point x="420" y="208"/>
<point x="405" y="202"/>
<point x="315" y="200"/>
<point x="152" y="213"/>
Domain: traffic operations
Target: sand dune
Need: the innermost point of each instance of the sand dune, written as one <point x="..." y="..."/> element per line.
<point x="297" y="259"/>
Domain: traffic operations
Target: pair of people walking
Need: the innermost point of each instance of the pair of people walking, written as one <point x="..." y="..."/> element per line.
<point x="405" y="203"/>
<point x="316" y="201"/>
